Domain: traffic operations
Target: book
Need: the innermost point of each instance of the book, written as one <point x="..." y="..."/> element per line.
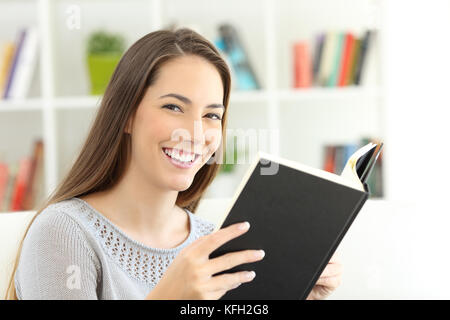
<point x="336" y="61"/>
<point x="364" y="47"/>
<point x="25" y="66"/>
<point x="245" y="75"/>
<point x="14" y="64"/>
<point x="346" y="59"/>
<point x="302" y="65"/>
<point x="220" y="45"/>
<point x="298" y="215"/>
<point x="339" y="58"/>
<point x="329" y="159"/>
<point x="34" y="180"/>
<point x="21" y="184"/>
<point x="8" y="193"/>
<point x="375" y="181"/>
<point x="4" y="175"/>
<point x="356" y="54"/>
<point x="326" y="59"/>
<point x="317" y="56"/>
<point x="336" y="156"/>
<point x="6" y="60"/>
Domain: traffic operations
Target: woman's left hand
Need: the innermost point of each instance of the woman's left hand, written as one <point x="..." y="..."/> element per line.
<point x="329" y="280"/>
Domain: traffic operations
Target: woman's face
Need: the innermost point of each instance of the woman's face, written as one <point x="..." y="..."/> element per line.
<point x="177" y="126"/>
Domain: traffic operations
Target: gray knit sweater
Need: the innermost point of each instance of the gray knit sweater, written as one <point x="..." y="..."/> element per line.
<point x="73" y="252"/>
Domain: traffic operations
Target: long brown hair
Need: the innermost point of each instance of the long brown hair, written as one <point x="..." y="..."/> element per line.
<point x="106" y="151"/>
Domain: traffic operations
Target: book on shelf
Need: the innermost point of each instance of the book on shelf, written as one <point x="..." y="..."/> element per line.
<point x="336" y="156"/>
<point x="317" y="56"/>
<point x="303" y="67"/>
<point x="326" y="61"/>
<point x="6" y="58"/>
<point x="298" y="215"/>
<point x="363" y="52"/>
<point x="346" y="59"/>
<point x="336" y="61"/>
<point x="339" y="59"/>
<point x="18" y="62"/>
<point x="233" y="47"/>
<point x="21" y="183"/>
<point x="232" y="50"/>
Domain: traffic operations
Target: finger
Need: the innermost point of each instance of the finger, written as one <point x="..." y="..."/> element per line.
<point x="331" y="270"/>
<point x="233" y="259"/>
<point x="229" y="281"/>
<point x="216" y="295"/>
<point x="214" y="240"/>
<point x="329" y="282"/>
<point x="335" y="258"/>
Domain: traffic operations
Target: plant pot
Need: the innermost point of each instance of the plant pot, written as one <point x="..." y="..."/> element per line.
<point x="101" y="68"/>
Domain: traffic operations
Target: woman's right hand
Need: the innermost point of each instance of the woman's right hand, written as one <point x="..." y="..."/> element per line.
<point x="190" y="275"/>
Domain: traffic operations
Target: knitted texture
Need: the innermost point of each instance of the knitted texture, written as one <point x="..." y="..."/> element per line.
<point x="73" y="252"/>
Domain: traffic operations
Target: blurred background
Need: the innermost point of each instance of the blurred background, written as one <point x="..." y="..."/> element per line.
<point x="317" y="78"/>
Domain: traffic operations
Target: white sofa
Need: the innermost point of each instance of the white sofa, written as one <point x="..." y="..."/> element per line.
<point x="394" y="250"/>
<point x="12" y="228"/>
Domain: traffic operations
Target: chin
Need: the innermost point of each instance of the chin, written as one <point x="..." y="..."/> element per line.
<point x="181" y="184"/>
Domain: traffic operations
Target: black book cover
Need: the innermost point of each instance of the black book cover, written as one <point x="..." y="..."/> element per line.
<point x="298" y="219"/>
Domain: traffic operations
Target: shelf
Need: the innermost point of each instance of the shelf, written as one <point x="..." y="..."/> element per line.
<point x="94" y="101"/>
<point x="348" y="93"/>
<point x="248" y="96"/>
<point x="77" y="102"/>
<point x="21" y="105"/>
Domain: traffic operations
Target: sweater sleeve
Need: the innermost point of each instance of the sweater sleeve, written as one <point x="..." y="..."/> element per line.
<point x="56" y="261"/>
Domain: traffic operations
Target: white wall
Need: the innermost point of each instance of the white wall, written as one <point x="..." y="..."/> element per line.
<point x="399" y="249"/>
<point x="418" y="102"/>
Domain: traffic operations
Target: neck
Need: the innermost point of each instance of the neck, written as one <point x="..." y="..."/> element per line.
<point x="143" y="208"/>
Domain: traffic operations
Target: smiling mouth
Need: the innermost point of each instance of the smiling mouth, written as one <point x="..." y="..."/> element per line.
<point x="181" y="158"/>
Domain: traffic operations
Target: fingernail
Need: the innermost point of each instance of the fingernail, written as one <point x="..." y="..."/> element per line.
<point x="250" y="275"/>
<point x="244" y="226"/>
<point x="260" y="254"/>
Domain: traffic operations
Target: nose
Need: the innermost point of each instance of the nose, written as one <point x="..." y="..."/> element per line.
<point x="190" y="136"/>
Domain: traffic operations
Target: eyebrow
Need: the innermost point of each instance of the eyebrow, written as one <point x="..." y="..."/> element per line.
<point x="188" y="101"/>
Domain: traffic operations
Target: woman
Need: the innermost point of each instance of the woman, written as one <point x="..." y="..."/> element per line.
<point x="121" y="223"/>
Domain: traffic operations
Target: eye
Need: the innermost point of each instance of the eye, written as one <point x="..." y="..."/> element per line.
<point x="171" y="107"/>
<point x="217" y="116"/>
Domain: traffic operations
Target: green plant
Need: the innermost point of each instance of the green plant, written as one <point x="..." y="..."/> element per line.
<point x="104" y="50"/>
<point x="104" y="42"/>
<point x="232" y="144"/>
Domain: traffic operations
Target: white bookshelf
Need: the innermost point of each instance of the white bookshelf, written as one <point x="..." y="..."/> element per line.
<point x="63" y="109"/>
<point x="280" y="96"/>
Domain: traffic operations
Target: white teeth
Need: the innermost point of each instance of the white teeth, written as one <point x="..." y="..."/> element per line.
<point x="173" y="153"/>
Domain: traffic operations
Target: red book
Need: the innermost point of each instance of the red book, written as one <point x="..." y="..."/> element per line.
<point x="329" y="163"/>
<point x="346" y="59"/>
<point x="20" y="185"/>
<point x="4" y="174"/>
<point x="302" y="65"/>
<point x="34" y="182"/>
